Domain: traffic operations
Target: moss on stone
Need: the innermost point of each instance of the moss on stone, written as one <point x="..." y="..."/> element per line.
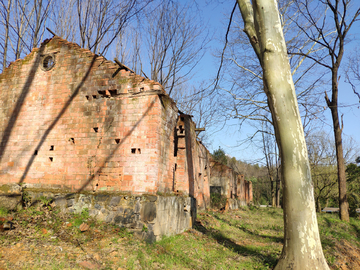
<point x="123" y="80"/>
<point x="5" y="188"/>
<point x="27" y="59"/>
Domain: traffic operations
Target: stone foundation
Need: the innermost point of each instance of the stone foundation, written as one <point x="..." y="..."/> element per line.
<point x="149" y="216"/>
<point x="235" y="204"/>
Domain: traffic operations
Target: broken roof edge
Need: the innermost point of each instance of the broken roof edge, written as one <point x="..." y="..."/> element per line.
<point x="216" y="163"/>
<point x="128" y="71"/>
<point x="58" y="41"/>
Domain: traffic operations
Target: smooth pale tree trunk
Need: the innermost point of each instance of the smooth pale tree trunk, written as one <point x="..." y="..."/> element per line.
<point x="302" y="247"/>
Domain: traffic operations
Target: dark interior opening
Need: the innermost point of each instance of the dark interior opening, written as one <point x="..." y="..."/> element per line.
<point x="112" y="93"/>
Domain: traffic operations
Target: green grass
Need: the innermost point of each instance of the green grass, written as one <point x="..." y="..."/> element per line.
<point x="244" y="239"/>
<point x="334" y="232"/>
<point x="248" y="238"/>
<point x="3" y="212"/>
<point x="234" y="240"/>
<point x="78" y="219"/>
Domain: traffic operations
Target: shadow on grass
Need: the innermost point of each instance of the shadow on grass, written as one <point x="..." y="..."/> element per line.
<point x="246" y="230"/>
<point x="334" y="230"/>
<point x="328" y="221"/>
<point x="269" y="260"/>
<point x="357" y="229"/>
<point x="166" y="255"/>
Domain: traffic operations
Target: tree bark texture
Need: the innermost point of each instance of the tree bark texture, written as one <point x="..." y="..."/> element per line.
<point x="7" y="29"/>
<point x="273" y="194"/>
<point x="333" y="105"/>
<point x="302" y="247"/>
<point x="277" y="191"/>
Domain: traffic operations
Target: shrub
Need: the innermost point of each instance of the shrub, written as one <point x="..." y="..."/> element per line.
<point x="217" y="200"/>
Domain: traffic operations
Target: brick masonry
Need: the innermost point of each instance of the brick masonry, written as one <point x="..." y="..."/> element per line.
<point x="230" y="184"/>
<point x="73" y="121"/>
<point x="82" y="125"/>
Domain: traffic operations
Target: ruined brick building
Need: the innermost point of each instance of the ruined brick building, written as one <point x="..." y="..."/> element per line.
<point x="74" y="123"/>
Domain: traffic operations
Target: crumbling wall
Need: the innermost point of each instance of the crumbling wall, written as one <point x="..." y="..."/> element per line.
<point x="73" y="123"/>
<point x="148" y="216"/>
<point x="230" y="184"/>
<point x="166" y="155"/>
<point x="192" y="163"/>
<point x="223" y="177"/>
<point x="82" y="124"/>
<point x="202" y="176"/>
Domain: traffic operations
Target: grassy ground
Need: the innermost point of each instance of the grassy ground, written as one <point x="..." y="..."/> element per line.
<point x="249" y="238"/>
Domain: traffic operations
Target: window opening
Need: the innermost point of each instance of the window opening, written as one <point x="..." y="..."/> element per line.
<point x="48" y="62"/>
<point x="112" y="93"/>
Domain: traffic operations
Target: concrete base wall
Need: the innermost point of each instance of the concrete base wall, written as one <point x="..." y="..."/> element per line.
<point x="149" y="216"/>
<point x="235" y="204"/>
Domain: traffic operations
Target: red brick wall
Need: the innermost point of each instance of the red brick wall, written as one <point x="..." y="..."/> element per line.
<point x="202" y="175"/>
<point x="192" y="163"/>
<point x="241" y="187"/>
<point x="224" y="176"/>
<point x="167" y="159"/>
<point x="181" y="177"/>
<point x="233" y="185"/>
<point x="83" y="124"/>
<point x="87" y="125"/>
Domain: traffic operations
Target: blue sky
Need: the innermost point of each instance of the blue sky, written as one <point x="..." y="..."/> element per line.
<point x="217" y="15"/>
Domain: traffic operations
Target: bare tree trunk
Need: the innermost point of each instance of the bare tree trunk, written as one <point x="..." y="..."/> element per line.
<point x="21" y="26"/>
<point x="302" y="247"/>
<point x="278" y="183"/>
<point x="7" y="28"/>
<point x="269" y="157"/>
<point x="175" y="44"/>
<point x="332" y="30"/>
<point x="64" y="17"/>
<point x="333" y="105"/>
<point x="36" y="29"/>
<point x="273" y="193"/>
<point x="277" y="192"/>
<point x="318" y="205"/>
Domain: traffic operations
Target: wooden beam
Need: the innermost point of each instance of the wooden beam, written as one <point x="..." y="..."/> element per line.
<point x="122" y="66"/>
